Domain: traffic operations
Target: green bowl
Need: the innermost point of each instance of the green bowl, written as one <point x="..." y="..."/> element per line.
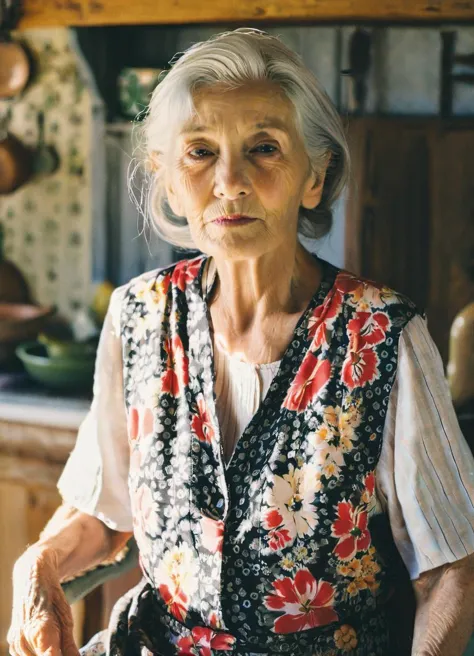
<point x="67" y="374"/>
<point x="68" y="350"/>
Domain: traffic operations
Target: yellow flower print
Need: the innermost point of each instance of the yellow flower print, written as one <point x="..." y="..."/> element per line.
<point x="345" y="638"/>
<point x="362" y="571"/>
<point x="152" y="292"/>
<point x="322" y="434"/>
<point x="346" y="444"/>
<point x="301" y="553"/>
<point x="287" y="563"/>
<point x="344" y="570"/>
<point x="330" y="469"/>
<point x="331" y="415"/>
<point x="352" y="589"/>
<point x="353" y="568"/>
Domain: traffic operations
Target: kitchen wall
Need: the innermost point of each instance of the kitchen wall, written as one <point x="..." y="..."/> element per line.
<point x="48" y="222"/>
<point x="57" y="229"/>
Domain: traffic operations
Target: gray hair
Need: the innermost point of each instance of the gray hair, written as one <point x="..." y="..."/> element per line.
<point x="233" y="59"/>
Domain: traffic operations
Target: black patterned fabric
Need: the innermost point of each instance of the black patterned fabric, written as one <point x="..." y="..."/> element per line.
<point x="284" y="550"/>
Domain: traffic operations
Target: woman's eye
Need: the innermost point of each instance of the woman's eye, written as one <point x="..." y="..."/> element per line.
<point x="202" y="153"/>
<point x="199" y="153"/>
<point x="266" y="147"/>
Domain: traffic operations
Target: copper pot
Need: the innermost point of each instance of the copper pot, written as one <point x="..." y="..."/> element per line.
<point x="19" y="323"/>
<point x="16" y="57"/>
<point x="16" y="161"/>
<point x="15" y="69"/>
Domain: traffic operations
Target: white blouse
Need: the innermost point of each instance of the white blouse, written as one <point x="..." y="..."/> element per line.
<point x="425" y="475"/>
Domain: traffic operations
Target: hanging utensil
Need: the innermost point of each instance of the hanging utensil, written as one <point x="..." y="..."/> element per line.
<point x="360" y="60"/>
<point x="16" y="159"/>
<point x="46" y="158"/>
<point x="17" y="60"/>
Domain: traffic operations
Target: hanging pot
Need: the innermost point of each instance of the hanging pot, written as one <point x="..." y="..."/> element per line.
<point x="16" y="58"/>
<point x="16" y="160"/>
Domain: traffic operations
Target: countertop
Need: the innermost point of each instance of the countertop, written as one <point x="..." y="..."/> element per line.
<point x="26" y="402"/>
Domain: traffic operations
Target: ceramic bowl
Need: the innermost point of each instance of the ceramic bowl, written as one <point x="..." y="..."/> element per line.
<point x="68" y="349"/>
<point x="66" y="374"/>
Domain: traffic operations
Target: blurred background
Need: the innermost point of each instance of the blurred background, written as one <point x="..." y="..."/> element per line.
<point x="74" y="75"/>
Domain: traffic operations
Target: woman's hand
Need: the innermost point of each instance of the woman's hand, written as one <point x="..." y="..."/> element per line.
<point x="41" y="620"/>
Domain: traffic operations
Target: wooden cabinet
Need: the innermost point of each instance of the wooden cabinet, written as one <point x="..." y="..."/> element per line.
<point x="41" y="13"/>
<point x="31" y="460"/>
<point x="410" y="212"/>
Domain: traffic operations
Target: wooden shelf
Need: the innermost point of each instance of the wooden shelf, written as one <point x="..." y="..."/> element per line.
<point x="42" y="13"/>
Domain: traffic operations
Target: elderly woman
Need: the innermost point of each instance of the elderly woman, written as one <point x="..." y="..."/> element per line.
<point x="273" y="430"/>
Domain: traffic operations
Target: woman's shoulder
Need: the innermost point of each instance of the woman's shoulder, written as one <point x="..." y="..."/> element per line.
<point x="367" y="295"/>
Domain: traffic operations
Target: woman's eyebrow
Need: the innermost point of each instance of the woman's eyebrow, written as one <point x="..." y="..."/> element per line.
<point x="274" y="123"/>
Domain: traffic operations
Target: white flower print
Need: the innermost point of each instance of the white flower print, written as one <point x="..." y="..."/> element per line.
<point x="292" y="497"/>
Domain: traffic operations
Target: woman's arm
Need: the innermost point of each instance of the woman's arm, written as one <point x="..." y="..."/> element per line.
<point x="71" y="543"/>
<point x="77" y="541"/>
<point x="444" y="620"/>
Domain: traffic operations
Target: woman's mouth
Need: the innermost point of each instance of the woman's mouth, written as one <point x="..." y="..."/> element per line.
<point x="234" y="220"/>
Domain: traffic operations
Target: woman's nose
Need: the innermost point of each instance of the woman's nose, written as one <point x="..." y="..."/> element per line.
<point x="230" y="180"/>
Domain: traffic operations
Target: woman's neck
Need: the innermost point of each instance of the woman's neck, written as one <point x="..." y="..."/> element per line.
<point x="258" y="301"/>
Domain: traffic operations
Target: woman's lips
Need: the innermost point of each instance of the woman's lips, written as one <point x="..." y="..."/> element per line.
<point x="234" y="220"/>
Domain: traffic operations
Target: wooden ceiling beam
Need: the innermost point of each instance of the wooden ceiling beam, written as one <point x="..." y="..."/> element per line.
<point x="45" y="13"/>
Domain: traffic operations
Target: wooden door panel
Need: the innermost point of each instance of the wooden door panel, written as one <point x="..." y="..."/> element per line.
<point x="411" y="209"/>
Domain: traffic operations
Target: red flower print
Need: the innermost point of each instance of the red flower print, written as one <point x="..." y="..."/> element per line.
<point x="347" y="283"/>
<point x="312" y="377"/>
<point x="278" y="536"/>
<point x="214" y="621"/>
<point x="369" y="483"/>
<point x="351" y="529"/>
<point x="201" y="423"/>
<point x="212" y="535"/>
<point x="176" y="601"/>
<point x="321" y="319"/>
<point x="360" y="367"/>
<point x="176" y="374"/>
<point x="203" y="640"/>
<point x="140" y="422"/>
<point x="367" y="329"/>
<point x="305" y="602"/>
<point x="185" y="272"/>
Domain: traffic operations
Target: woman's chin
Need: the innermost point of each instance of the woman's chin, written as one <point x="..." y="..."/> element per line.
<point x="236" y="243"/>
<point x="238" y="249"/>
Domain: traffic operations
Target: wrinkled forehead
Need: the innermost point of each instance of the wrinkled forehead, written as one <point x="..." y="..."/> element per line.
<point x="253" y="106"/>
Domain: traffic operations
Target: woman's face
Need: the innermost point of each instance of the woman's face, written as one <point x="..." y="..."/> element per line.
<point x="241" y="154"/>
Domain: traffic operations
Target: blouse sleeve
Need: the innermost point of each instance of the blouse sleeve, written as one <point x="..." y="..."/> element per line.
<point x="95" y="478"/>
<point x="426" y="469"/>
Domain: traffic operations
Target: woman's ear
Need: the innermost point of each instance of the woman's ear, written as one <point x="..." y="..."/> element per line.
<point x="314" y="185"/>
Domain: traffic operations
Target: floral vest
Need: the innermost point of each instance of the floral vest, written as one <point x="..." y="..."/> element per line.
<point x="284" y="550"/>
